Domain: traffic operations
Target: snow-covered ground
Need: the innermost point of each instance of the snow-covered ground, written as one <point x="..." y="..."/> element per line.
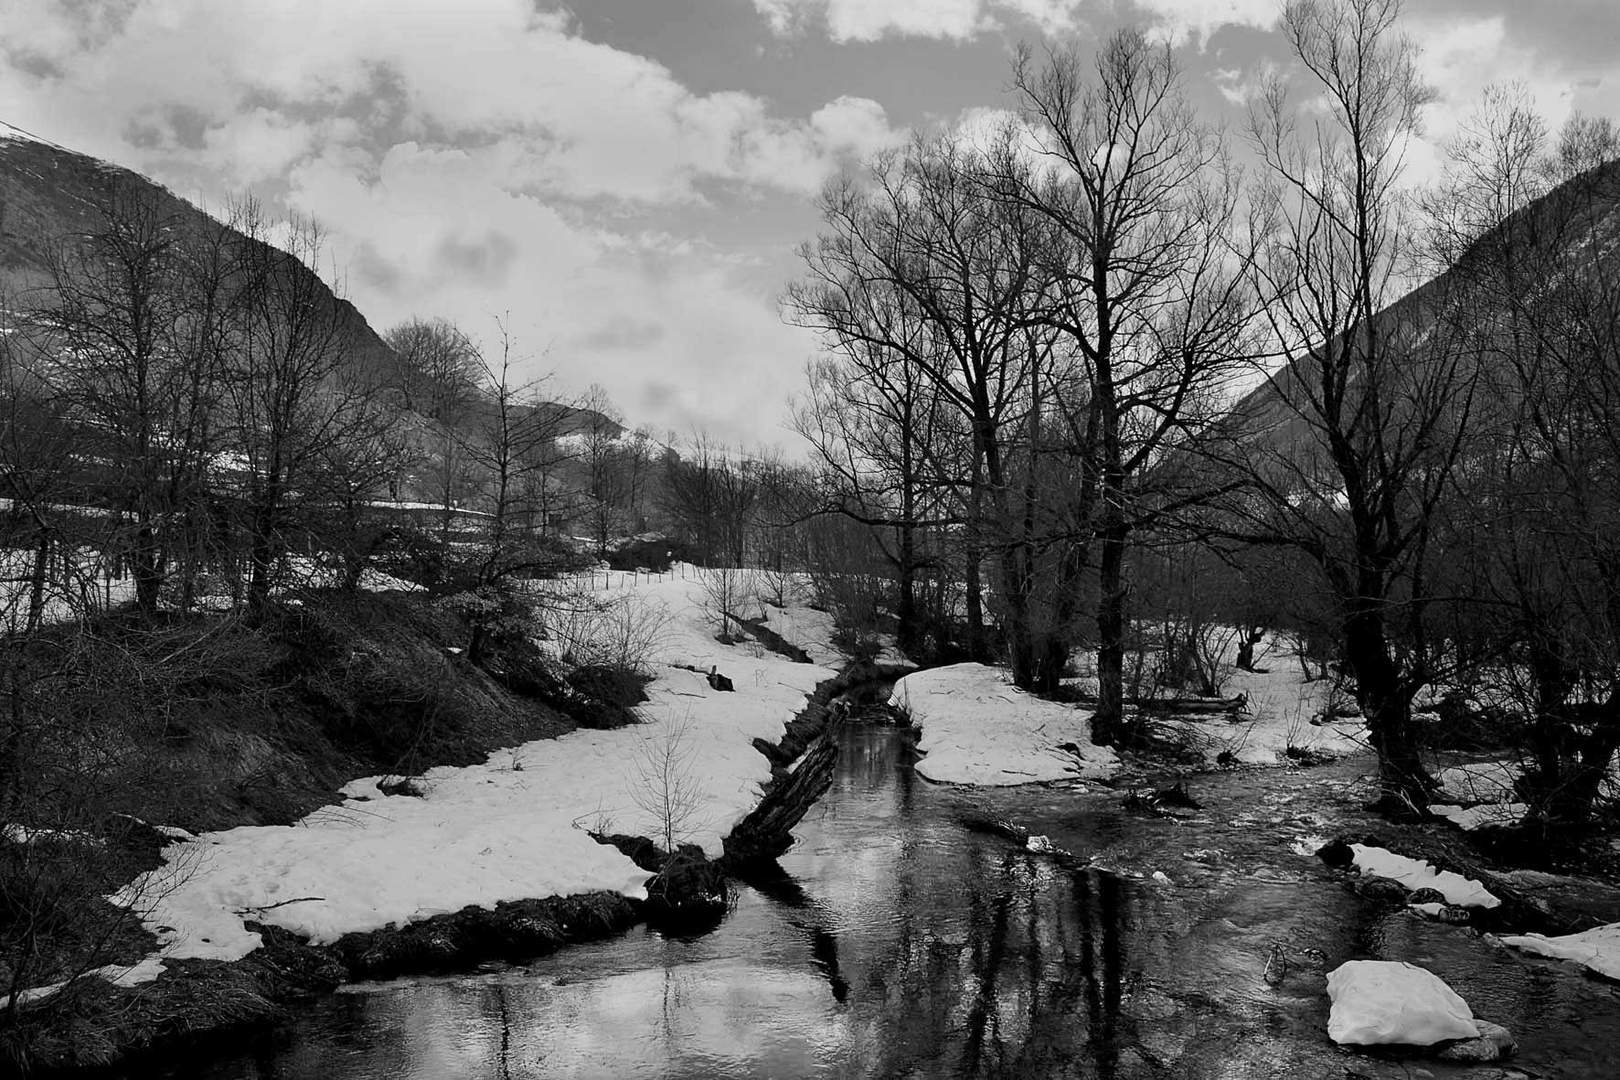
<point x="511" y="828"/>
<point x="809" y="629"/>
<point x="812" y="630"/>
<point x="977" y="728"/>
<point x="1282" y="711"/>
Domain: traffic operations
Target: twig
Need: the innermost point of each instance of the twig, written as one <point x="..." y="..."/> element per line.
<point x="279" y="903"/>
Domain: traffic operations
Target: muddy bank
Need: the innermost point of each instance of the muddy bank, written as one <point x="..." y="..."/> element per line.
<point x="196" y="1004"/>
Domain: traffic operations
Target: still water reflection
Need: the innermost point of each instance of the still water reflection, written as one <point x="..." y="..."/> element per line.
<point x="897" y="943"/>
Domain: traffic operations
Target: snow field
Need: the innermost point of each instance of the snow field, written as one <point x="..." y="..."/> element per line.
<point x="511" y="828"/>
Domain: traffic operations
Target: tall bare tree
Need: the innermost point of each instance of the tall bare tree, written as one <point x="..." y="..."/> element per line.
<point x="1368" y="415"/>
<point x="1142" y="284"/>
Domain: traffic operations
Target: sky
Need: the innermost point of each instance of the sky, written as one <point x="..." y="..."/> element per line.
<point x="625" y="182"/>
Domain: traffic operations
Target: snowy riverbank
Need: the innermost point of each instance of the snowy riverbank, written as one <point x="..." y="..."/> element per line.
<point x="512" y="828"/>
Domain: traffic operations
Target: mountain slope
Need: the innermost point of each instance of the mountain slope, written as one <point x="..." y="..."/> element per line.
<point x="1528" y="265"/>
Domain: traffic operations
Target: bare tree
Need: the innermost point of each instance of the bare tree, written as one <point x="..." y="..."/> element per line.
<point x="439" y="371"/>
<point x="710" y="497"/>
<point x="439" y="376"/>
<point x="506" y="446"/>
<point x="1142" y="283"/>
<point x="296" y="392"/>
<point x="920" y="265"/>
<point x="108" y="314"/>
<point x="606" y="480"/>
<point x="1367" y="417"/>
<point x="1528" y="222"/>
<point x="665" y="786"/>
<point x="876" y="427"/>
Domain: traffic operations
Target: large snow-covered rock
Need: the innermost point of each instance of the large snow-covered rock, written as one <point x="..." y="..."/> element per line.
<point x="1597" y="948"/>
<point x="977" y="728"/>
<point x="1389" y="1001"/>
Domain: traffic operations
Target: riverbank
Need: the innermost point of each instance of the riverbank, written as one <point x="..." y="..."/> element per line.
<point x="458" y="865"/>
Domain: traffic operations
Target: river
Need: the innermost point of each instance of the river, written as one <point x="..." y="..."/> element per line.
<point x="897" y="942"/>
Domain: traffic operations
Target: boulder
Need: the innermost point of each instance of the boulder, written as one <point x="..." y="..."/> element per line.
<point x="1386" y="1001"/>
<point x="1381" y="888"/>
<point x="1494" y="1043"/>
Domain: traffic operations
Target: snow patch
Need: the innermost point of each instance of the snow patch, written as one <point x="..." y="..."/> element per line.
<point x="977" y="728"/>
<point x="1480" y="782"/>
<point x="1420" y="874"/>
<point x="1597" y="948"/>
<point x="1469" y="818"/>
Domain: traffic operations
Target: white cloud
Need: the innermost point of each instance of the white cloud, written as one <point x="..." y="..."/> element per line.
<point x="1241" y="85"/>
<point x="872" y="20"/>
<point x="444" y="232"/>
<point x="1179" y="21"/>
<point x="1184" y="21"/>
<point x="466" y="160"/>
<point x="600" y="122"/>
<point x="1462" y="56"/>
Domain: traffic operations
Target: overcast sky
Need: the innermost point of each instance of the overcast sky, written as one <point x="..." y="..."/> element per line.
<point x="629" y="178"/>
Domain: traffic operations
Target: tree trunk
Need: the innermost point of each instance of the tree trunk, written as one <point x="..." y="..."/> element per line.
<point x="1251" y="637"/>
<point x="36" y="584"/>
<point x="906" y="605"/>
<point x="146" y="565"/>
<point x="1108" y="722"/>
<point x="1387" y="707"/>
<point x="975" y="610"/>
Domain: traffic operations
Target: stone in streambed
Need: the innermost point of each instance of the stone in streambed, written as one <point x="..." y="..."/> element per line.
<point x="1494" y="1043"/>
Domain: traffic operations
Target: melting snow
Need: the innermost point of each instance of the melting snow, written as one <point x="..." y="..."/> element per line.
<point x="1597" y="948"/>
<point x="1420" y="874"/>
<point x="977" y="728"/>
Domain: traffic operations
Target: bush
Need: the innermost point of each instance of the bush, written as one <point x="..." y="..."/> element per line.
<point x="591" y="630"/>
<point x="655" y="553"/>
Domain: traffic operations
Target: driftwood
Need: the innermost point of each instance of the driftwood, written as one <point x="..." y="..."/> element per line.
<point x="1192" y="705"/>
<point x="767" y="832"/>
<point x="809" y="739"/>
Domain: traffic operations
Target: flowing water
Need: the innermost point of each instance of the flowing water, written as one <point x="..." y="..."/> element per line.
<point x="897" y="942"/>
